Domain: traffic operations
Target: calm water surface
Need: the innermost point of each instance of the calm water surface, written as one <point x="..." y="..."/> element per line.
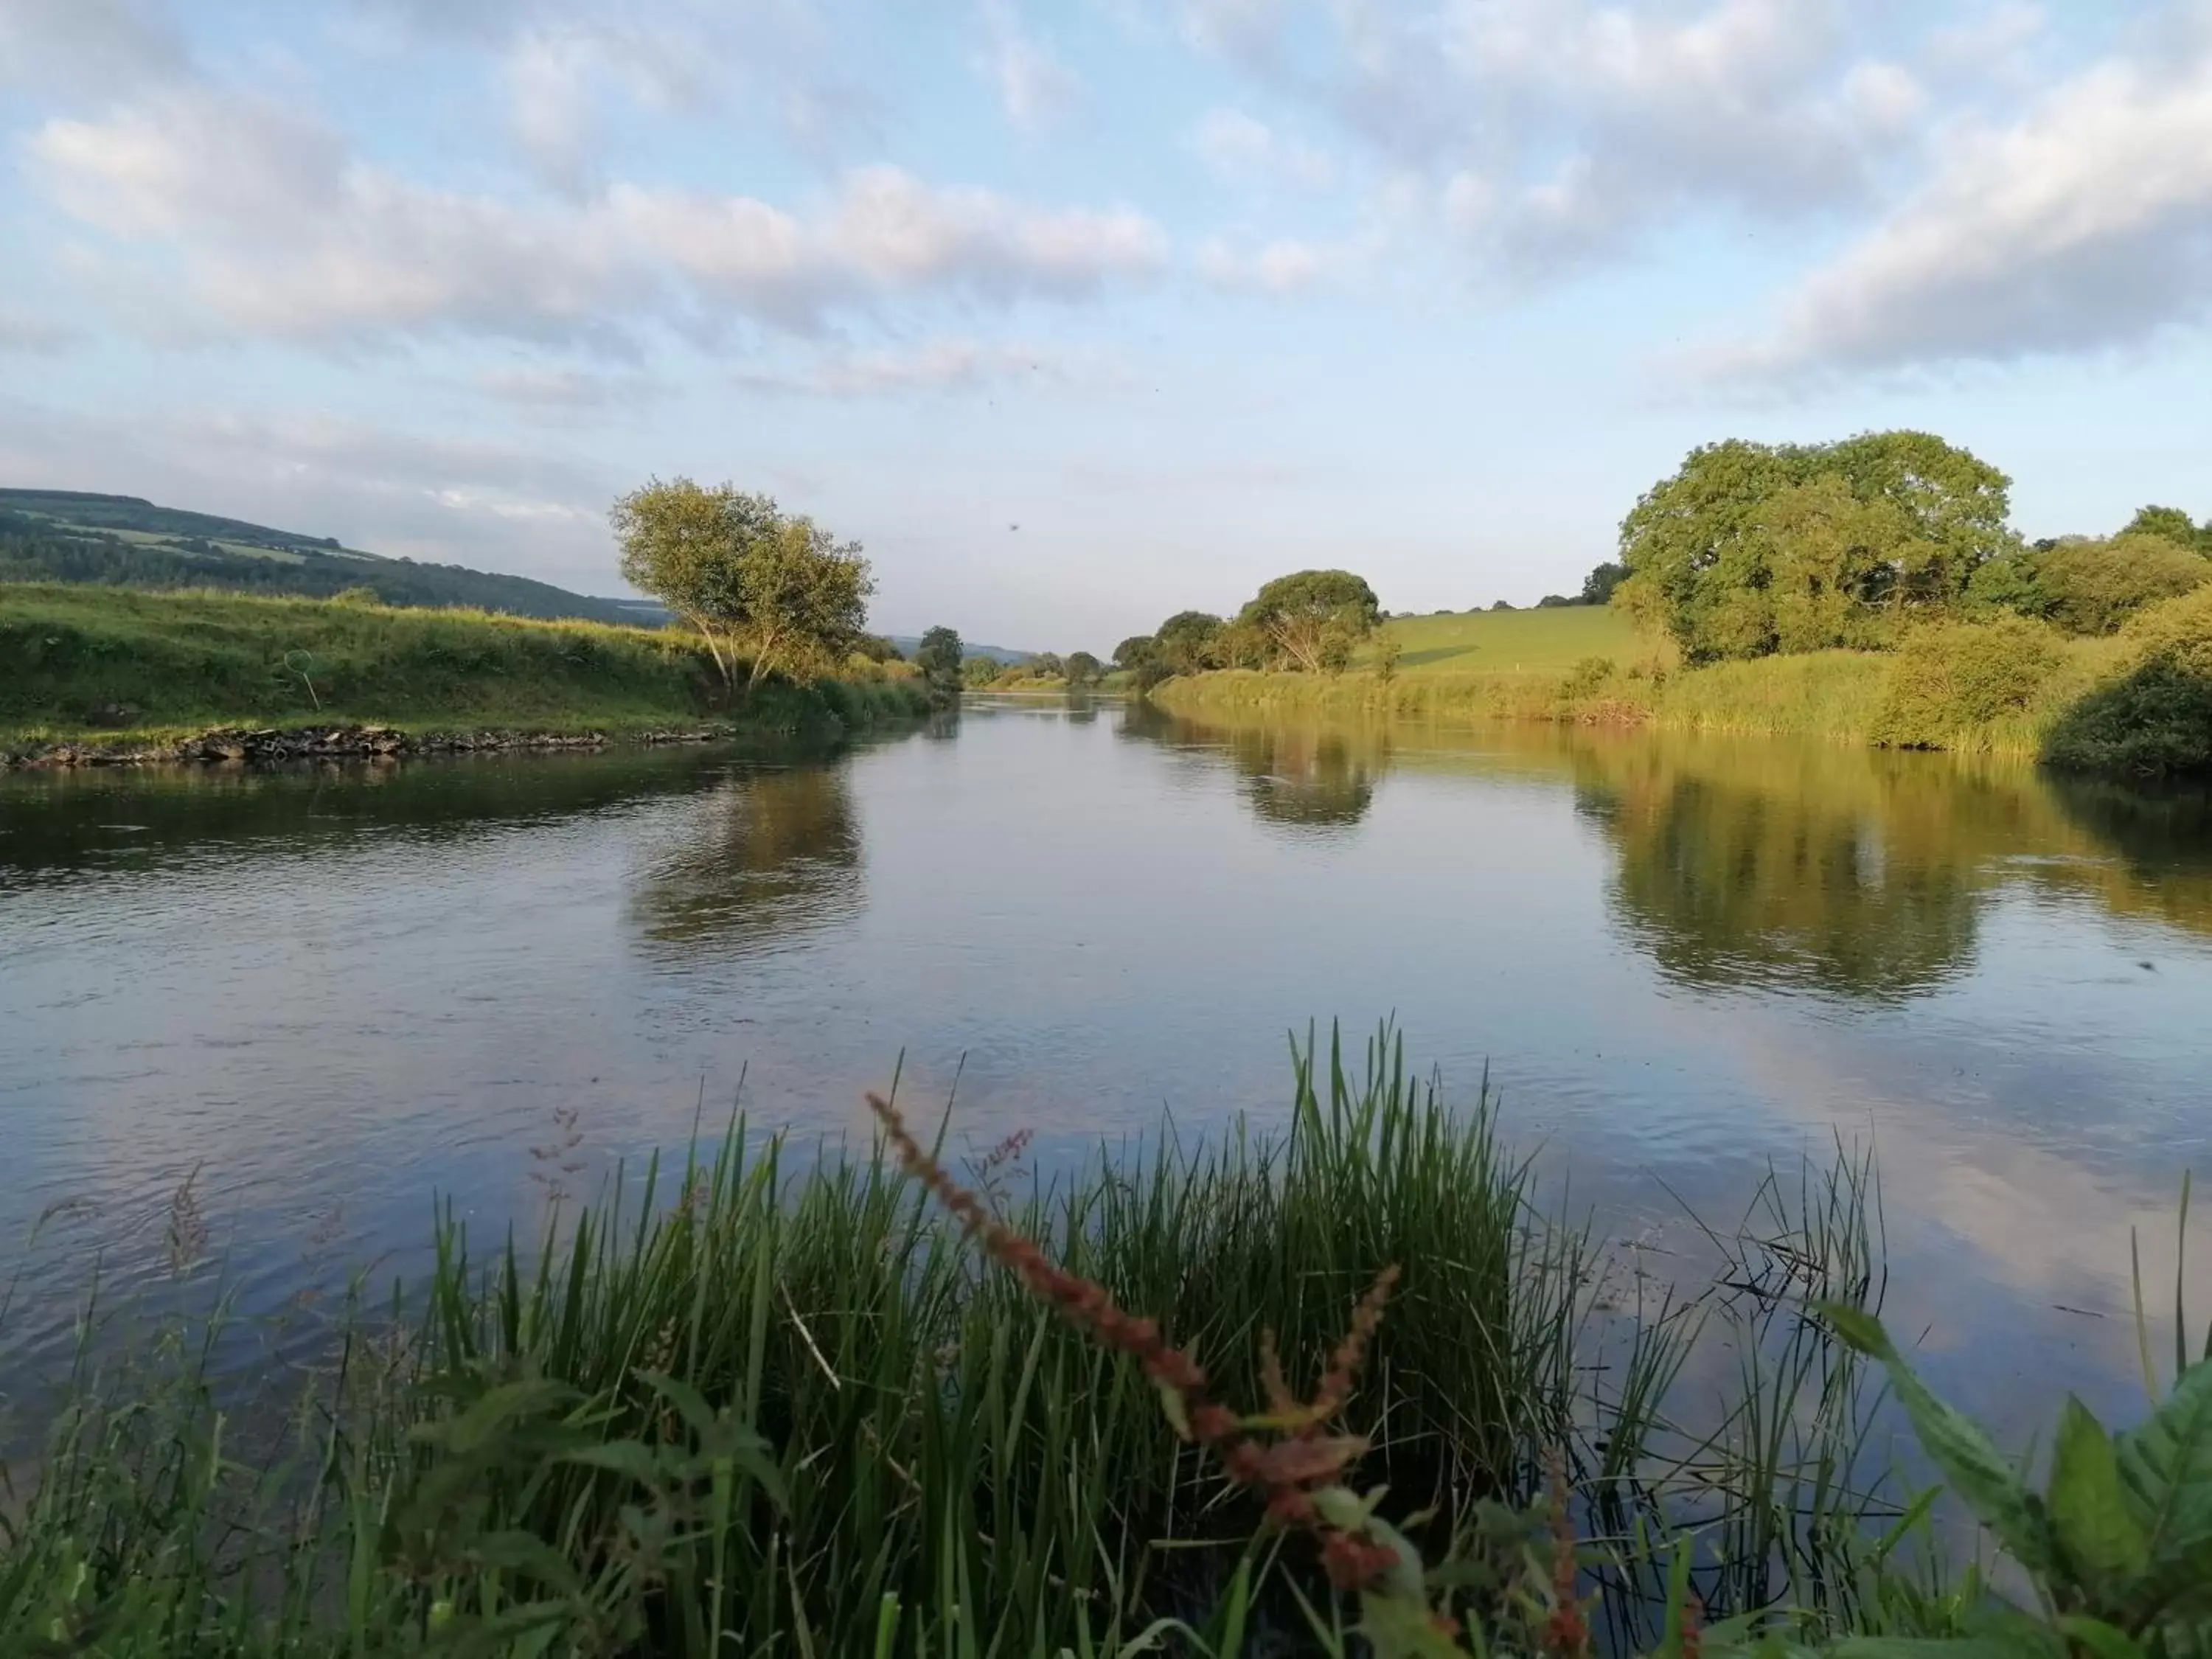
<point x="335" y="994"/>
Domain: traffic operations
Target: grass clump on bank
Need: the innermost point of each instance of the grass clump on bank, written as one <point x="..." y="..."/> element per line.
<point x="783" y="1409"/>
<point x="116" y="661"/>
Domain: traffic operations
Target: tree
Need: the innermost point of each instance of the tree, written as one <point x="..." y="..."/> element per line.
<point x="754" y="581"/>
<point x="941" y="657"/>
<point x="1598" y="586"/>
<point x="1083" y="668"/>
<point x="1138" y="650"/>
<point x="1697" y="543"/>
<point x="2172" y="524"/>
<point x="1186" y="643"/>
<point x="1042" y="666"/>
<point x="978" y="672"/>
<point x="876" y="648"/>
<point x="2093" y="587"/>
<point x="1313" y="618"/>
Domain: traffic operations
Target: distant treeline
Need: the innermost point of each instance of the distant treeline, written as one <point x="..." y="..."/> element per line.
<point x="33" y="548"/>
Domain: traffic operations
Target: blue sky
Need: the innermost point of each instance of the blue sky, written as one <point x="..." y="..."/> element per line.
<point x="1078" y="314"/>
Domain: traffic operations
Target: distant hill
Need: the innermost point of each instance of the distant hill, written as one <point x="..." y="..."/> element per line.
<point x="62" y="535"/>
<point x="910" y="643"/>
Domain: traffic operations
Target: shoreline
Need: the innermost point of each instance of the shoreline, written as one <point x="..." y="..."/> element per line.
<point x="231" y="745"/>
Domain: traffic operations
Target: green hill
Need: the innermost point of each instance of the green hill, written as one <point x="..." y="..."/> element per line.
<point x="60" y="535"/>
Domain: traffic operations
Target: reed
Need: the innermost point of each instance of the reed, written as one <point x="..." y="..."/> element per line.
<point x="768" y="1402"/>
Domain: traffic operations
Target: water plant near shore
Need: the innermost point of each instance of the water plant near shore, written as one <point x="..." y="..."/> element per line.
<point x="773" y="1405"/>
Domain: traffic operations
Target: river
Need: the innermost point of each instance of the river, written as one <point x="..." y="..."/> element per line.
<point x="323" y="997"/>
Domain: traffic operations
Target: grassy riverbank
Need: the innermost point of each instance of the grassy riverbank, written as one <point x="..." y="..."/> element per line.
<point x="1589" y="665"/>
<point x="782" y="1402"/>
<point x="124" y="667"/>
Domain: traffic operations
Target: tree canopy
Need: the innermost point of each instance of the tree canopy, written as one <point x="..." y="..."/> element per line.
<point x="757" y="584"/>
<point x="940" y="656"/>
<point x="1752" y="548"/>
<point x="1313" y="618"/>
<point x="1083" y="668"/>
<point x="2172" y="525"/>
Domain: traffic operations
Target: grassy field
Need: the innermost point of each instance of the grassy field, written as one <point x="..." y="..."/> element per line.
<point x="1588" y="664"/>
<point x="119" y="662"/>
<point x="782" y="1408"/>
<point x="1550" y="641"/>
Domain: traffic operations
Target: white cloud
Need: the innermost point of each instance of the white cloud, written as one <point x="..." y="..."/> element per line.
<point x="2085" y="224"/>
<point x="1034" y="89"/>
<point x="1618" y="121"/>
<point x="1249" y="30"/>
<point x="557" y="75"/>
<point x="279" y="229"/>
<point x="87" y="45"/>
<point x="545" y="391"/>
<point x="948" y="365"/>
<point x="1283" y="266"/>
<point x="1240" y="148"/>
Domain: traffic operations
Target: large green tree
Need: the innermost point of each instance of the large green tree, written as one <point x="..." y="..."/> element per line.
<point x="1185" y="642"/>
<point x="758" y="585"/>
<point x="1747" y="544"/>
<point x="1083" y="668"/>
<point x="940" y="657"/>
<point x="2173" y="524"/>
<point x="1313" y="618"/>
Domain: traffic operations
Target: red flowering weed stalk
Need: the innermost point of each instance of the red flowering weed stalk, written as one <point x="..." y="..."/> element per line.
<point x="1290" y="1471"/>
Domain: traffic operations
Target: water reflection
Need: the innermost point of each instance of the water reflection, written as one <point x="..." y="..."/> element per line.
<point x="1732" y="878"/>
<point x="1308" y="781"/>
<point x="55" y="825"/>
<point x="1757" y="864"/>
<point x="767" y="854"/>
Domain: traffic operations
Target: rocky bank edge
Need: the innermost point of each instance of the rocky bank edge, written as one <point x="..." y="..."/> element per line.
<point x="240" y="743"/>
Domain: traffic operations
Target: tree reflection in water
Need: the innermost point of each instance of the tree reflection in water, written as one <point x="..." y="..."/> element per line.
<point x="767" y="855"/>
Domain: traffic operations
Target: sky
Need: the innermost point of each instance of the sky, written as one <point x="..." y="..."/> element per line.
<point x="1077" y="313"/>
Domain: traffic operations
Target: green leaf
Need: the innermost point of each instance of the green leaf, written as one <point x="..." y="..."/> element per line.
<point x="623" y="1457"/>
<point x="2027" y="1643"/>
<point x="2166" y="1467"/>
<point x="2101" y="1639"/>
<point x="1982" y="1476"/>
<point x="2105" y="1544"/>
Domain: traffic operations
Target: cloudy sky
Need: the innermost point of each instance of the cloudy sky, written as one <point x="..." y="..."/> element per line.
<point x="1078" y="311"/>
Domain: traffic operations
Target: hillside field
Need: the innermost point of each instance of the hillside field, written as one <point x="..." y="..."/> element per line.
<point x="113" y="661"/>
<point x="1548" y="642"/>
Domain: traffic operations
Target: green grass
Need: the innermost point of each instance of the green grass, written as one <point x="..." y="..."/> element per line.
<point x="1589" y="666"/>
<point x="1547" y="641"/>
<point x="119" y="662"/>
<point x="779" y="1406"/>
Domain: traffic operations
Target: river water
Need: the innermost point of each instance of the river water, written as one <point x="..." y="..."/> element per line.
<point x="324" y="997"/>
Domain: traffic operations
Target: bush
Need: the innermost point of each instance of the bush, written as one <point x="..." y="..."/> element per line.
<point x="1949" y="679"/>
<point x="2156" y="722"/>
<point x="2093" y="587"/>
<point x="2180" y="628"/>
<point x="1586" y="677"/>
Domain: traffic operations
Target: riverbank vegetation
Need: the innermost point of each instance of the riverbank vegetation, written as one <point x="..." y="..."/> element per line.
<point x="1867" y="591"/>
<point x="119" y="665"/>
<point x="769" y="1405"/>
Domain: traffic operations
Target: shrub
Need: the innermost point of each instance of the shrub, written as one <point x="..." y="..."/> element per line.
<point x="2155" y="722"/>
<point x="1586" y="677"/>
<point x="1947" y="679"/>
<point x="2180" y="628"/>
<point x="2093" y="587"/>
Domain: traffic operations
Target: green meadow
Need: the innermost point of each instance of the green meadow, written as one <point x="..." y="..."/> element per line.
<point x="119" y="664"/>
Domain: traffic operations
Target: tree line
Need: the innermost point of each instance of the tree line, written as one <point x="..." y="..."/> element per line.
<point x="1308" y="621"/>
<point x="1748" y="549"/>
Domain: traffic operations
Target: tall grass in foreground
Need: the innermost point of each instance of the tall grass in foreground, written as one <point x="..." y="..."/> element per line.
<point x="775" y="1406"/>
